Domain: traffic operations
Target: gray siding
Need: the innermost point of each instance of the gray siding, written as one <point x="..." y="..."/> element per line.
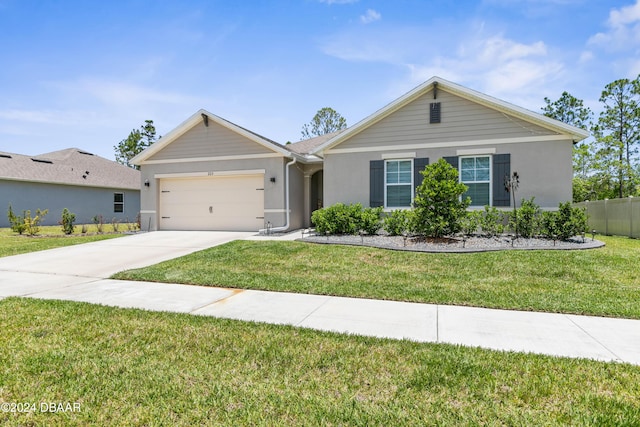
<point x="544" y="167"/>
<point x="85" y="202"/>
<point x="212" y="141"/>
<point x="462" y="120"/>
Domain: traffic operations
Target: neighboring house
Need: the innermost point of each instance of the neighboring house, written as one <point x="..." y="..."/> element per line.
<point x="209" y="173"/>
<point x="86" y="184"/>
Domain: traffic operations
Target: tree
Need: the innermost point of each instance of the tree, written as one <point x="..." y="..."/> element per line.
<point x="617" y="133"/>
<point x="571" y="110"/>
<point x="438" y="204"/>
<point x="135" y="143"/>
<point x="325" y="121"/>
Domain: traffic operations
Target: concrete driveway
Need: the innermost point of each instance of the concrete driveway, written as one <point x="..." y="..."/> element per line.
<point x="107" y="257"/>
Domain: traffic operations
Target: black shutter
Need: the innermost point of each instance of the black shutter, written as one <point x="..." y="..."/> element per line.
<point x="376" y="183"/>
<point x="418" y="166"/>
<point x="501" y="169"/>
<point x="453" y="161"/>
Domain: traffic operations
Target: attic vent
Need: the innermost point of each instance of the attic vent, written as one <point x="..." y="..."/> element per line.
<point x="85" y="153"/>
<point x="5" y="156"/>
<point x="42" y="161"/>
<point x="434" y="112"/>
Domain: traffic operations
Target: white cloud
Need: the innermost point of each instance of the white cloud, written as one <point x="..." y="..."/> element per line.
<point x="586" y="56"/>
<point x="491" y="63"/>
<point x="623" y="30"/>
<point x="370" y="16"/>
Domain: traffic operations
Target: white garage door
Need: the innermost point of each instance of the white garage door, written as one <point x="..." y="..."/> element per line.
<point x="233" y="203"/>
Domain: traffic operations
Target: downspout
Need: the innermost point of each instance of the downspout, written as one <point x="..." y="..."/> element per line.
<point x="285" y="227"/>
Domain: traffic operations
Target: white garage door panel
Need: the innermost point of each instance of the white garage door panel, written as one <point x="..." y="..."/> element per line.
<point x="212" y="203"/>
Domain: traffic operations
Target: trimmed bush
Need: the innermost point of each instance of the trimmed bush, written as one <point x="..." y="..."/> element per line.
<point x="438" y="204"/>
<point x="492" y="222"/>
<point x="571" y="221"/>
<point x="346" y="219"/>
<point x="397" y="222"/>
<point x="471" y="222"/>
<point x="525" y="220"/>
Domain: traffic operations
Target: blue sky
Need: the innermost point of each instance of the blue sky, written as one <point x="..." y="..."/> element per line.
<point x="85" y="73"/>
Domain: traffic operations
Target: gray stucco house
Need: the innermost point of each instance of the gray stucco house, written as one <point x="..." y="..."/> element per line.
<point x="86" y="184"/>
<point x="211" y="174"/>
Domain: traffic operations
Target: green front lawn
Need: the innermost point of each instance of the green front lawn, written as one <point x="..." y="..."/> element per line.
<point x="604" y="282"/>
<point x="48" y="238"/>
<point x="131" y="367"/>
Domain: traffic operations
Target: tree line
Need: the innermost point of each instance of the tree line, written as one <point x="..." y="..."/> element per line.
<point x="607" y="165"/>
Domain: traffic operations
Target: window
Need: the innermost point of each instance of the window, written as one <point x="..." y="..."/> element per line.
<point x="118" y="202"/>
<point x="475" y="173"/>
<point x="398" y="183"/>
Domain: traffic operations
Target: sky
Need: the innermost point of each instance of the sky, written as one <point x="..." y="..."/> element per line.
<point x="85" y="73"/>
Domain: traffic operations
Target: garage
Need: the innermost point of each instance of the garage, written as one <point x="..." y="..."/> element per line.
<point x="225" y="202"/>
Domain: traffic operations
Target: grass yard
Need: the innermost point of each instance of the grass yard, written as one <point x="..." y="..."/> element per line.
<point x="131" y="367"/>
<point x="602" y="282"/>
<point x="49" y="237"/>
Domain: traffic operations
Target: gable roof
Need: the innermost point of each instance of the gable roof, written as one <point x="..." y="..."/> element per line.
<point x="198" y="117"/>
<point x="575" y="133"/>
<point x="69" y="167"/>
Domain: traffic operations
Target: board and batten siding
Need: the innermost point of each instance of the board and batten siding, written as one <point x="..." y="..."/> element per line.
<point x="209" y="141"/>
<point x="461" y="120"/>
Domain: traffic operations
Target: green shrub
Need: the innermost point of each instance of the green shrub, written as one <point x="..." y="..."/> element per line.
<point x="549" y="225"/>
<point x="438" y="203"/>
<point x="570" y="221"/>
<point x="67" y="221"/>
<point x="471" y="222"/>
<point x="492" y="222"/>
<point x="370" y="220"/>
<point x="32" y="224"/>
<point x="397" y="222"/>
<point x="16" y="221"/>
<point x="346" y="219"/>
<point x="525" y="220"/>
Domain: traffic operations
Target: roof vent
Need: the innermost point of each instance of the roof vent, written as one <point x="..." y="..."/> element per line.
<point x="434" y="112"/>
<point x="42" y="161"/>
<point x="85" y="153"/>
<point x="5" y="156"/>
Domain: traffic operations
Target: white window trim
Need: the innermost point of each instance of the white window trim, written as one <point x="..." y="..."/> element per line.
<point x="478" y="182"/>
<point x="385" y="184"/>
<point x="118" y="203"/>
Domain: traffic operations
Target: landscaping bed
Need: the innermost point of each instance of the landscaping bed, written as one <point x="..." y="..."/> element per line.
<point x="455" y="244"/>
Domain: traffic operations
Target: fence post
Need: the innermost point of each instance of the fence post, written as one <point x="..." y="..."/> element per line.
<point x="606" y="218"/>
<point x="630" y="217"/>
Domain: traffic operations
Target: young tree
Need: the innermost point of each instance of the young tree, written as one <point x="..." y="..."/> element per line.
<point x="135" y="143"/>
<point x="617" y="133"/>
<point x="325" y="121"/>
<point x="438" y="204"/>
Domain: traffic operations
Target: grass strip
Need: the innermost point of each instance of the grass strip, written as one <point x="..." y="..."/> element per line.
<point x="601" y="282"/>
<point x="14" y="244"/>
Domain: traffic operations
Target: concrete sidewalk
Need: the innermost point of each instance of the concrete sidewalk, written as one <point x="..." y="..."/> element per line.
<point x="604" y="339"/>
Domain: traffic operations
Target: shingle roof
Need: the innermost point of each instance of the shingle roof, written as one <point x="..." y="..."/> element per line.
<point x="71" y="167"/>
<point x="307" y="145"/>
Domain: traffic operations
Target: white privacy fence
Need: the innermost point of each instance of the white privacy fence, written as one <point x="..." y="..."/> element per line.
<point x="619" y="217"/>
